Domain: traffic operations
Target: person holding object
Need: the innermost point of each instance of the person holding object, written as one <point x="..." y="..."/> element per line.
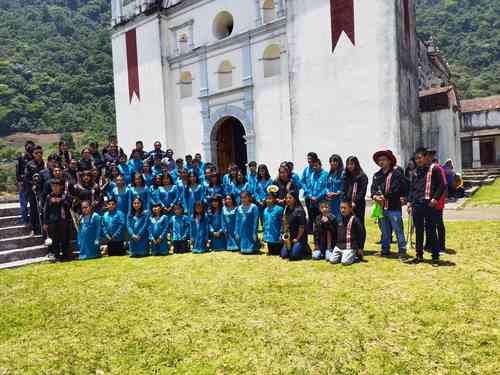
<point x="294" y="221"/>
<point x="325" y="232"/>
<point x="388" y="187"/>
<point x="426" y="189"/>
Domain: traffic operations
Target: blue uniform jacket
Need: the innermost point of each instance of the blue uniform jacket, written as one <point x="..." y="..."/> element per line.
<point x="113" y="226"/>
<point x="273" y="220"/>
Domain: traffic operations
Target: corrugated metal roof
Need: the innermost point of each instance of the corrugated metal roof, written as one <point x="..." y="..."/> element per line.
<point x="489" y="103"/>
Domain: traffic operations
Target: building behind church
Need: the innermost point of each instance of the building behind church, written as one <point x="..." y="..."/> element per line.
<point x="270" y="80"/>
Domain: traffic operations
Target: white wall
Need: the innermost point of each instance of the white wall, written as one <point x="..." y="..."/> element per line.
<point x="142" y="119"/>
<point x="347" y="101"/>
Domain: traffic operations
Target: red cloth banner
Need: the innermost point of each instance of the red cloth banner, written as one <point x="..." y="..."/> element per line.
<point x="407" y="16"/>
<point x="132" y="65"/>
<point x="342" y="16"/>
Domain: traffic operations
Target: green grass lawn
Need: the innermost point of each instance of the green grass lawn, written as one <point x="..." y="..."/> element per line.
<point x="486" y="196"/>
<point x="230" y="314"/>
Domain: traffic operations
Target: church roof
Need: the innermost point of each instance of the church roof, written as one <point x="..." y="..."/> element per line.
<point x="488" y="103"/>
<point x="438" y="98"/>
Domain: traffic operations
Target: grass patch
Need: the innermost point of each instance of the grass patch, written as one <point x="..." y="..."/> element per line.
<point x="488" y="195"/>
<point x="230" y="314"/>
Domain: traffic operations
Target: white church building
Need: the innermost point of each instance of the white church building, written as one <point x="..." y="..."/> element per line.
<point x="267" y="80"/>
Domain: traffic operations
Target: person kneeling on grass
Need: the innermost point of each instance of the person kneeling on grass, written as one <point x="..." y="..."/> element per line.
<point x="89" y="232"/>
<point x="199" y="229"/>
<point x="325" y="232"/>
<point x="349" y="238"/>
<point x="294" y="223"/>
<point x="247" y="225"/>
<point x="113" y="227"/>
<point x="179" y="230"/>
<point x="158" y="230"/>
<point x="273" y="221"/>
<point x="137" y="226"/>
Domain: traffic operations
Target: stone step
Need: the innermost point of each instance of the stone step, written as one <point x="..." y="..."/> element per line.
<point x="25" y="253"/>
<point x="14" y="231"/>
<point x="9" y="199"/>
<point x="471" y="191"/>
<point x="10" y="221"/>
<point x="20" y="242"/>
<point x="9" y="210"/>
<point x="24" y="262"/>
<point x="475" y="176"/>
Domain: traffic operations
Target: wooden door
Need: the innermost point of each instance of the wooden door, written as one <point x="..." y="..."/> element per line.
<point x="225" y="146"/>
<point x="487" y="150"/>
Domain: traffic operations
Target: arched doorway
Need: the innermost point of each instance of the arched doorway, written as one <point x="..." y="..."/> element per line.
<point x="229" y="144"/>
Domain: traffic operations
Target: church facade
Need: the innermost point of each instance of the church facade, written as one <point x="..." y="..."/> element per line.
<point x="267" y="80"/>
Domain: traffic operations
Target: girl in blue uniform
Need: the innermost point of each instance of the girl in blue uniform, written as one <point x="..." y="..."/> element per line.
<point x="238" y="186"/>
<point x="247" y="225"/>
<point x="229" y="222"/>
<point x="136" y="164"/>
<point x="155" y="192"/>
<point x="158" y="230"/>
<point x="168" y="195"/>
<point x="196" y="191"/>
<point x="89" y="232"/>
<point x="125" y="169"/>
<point x="148" y="174"/>
<point x="184" y="192"/>
<point x="252" y="177"/>
<point x="215" y="222"/>
<point x="263" y="182"/>
<point x="121" y="194"/>
<point x="113" y="228"/>
<point x="137" y="226"/>
<point x="213" y="186"/>
<point x="199" y="229"/>
<point x="334" y="184"/>
<point x="273" y="222"/>
<point x="180" y="226"/>
<point x="139" y="190"/>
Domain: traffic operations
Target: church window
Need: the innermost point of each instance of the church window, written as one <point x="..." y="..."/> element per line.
<point x="183" y="43"/>
<point x="223" y="25"/>
<point x="272" y="61"/>
<point x="186" y="85"/>
<point x="269" y="11"/>
<point x="225" y="74"/>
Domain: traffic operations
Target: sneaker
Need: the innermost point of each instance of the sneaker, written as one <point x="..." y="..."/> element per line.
<point x="403" y="257"/>
<point x="435" y="263"/>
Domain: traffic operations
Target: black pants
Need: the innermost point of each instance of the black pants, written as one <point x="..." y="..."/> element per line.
<point x="309" y="226"/>
<point x="440" y="231"/>
<point x="359" y="211"/>
<point x="181" y="247"/>
<point x="425" y="219"/>
<point x="116" y="248"/>
<point x="313" y="213"/>
<point x="60" y="233"/>
<point x="34" y="213"/>
<point x="274" y="248"/>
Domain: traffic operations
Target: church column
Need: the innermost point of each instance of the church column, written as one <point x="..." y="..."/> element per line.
<point x="205" y="106"/>
<point x="476" y="153"/>
<point x="258" y="10"/>
<point x="248" y="102"/>
<point x="280" y="8"/>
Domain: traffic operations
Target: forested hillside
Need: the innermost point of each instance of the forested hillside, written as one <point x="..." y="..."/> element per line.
<point x="468" y="33"/>
<point x="56" y="67"/>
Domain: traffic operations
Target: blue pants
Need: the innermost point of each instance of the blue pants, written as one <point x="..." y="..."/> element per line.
<point x="23" y="202"/>
<point x="392" y="220"/>
<point x="296" y="253"/>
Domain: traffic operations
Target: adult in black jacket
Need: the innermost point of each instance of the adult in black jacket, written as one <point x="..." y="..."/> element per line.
<point x="57" y="219"/>
<point x="33" y="168"/>
<point x="294" y="221"/>
<point x="426" y="189"/>
<point x="354" y="187"/>
<point x="285" y="184"/>
<point x="21" y="162"/>
<point x="388" y="188"/>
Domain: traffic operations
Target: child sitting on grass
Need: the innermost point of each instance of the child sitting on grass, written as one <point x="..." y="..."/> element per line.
<point x="325" y="231"/>
<point x="349" y="239"/>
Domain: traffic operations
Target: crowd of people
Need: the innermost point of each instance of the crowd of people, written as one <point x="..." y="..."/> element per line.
<point x="154" y="204"/>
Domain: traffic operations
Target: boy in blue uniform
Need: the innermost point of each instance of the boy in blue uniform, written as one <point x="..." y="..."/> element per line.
<point x="89" y="232"/>
<point x="113" y="227"/>
<point x="273" y="223"/>
<point x="180" y="229"/>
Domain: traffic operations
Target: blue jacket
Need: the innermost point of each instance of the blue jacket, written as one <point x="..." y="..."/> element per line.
<point x="306" y="180"/>
<point x="318" y="186"/>
<point x="273" y="221"/>
<point x="158" y="228"/>
<point x="180" y="227"/>
<point x="122" y="198"/>
<point x="113" y="225"/>
<point x="261" y="189"/>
